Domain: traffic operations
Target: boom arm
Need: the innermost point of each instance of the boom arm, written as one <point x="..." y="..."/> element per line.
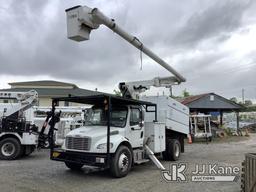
<point x="25" y="101"/>
<point x="133" y="89"/>
<point x="81" y="20"/>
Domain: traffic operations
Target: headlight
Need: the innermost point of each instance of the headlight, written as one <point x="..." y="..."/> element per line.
<point x="104" y="146"/>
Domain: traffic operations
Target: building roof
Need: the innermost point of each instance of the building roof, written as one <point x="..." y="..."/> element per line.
<point x="190" y="99"/>
<point x="42" y="83"/>
<point x="49" y="88"/>
<point x="49" y="92"/>
<point x="210" y="102"/>
<point x="100" y="99"/>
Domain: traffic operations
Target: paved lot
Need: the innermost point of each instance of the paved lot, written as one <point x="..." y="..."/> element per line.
<point x="38" y="173"/>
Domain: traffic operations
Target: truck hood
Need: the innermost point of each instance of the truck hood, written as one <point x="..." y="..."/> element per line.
<point x="98" y="135"/>
<point x="91" y="131"/>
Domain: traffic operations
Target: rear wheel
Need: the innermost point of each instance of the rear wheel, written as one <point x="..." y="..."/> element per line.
<point x="121" y="162"/>
<point x="173" y="150"/>
<point x="10" y="149"/>
<point x="74" y="166"/>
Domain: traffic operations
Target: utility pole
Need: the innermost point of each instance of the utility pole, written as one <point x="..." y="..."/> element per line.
<point x="243" y="95"/>
<point x="255" y="94"/>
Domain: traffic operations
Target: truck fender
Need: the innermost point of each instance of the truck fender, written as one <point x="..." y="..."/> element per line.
<point x="11" y="134"/>
<point x="119" y="140"/>
<point x="116" y="140"/>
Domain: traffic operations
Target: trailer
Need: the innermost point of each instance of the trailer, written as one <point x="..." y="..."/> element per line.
<point x="200" y="127"/>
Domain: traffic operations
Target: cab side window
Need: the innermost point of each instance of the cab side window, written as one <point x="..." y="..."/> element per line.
<point x="135" y="117"/>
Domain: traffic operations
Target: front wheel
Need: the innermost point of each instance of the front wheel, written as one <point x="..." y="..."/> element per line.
<point x="173" y="150"/>
<point x="121" y="162"/>
<point x="74" y="166"/>
<point x="10" y="149"/>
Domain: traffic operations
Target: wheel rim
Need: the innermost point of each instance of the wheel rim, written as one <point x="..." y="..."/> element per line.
<point x="177" y="150"/>
<point x="123" y="162"/>
<point x="8" y="149"/>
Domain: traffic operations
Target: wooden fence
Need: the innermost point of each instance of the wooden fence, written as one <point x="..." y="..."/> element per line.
<point x="248" y="176"/>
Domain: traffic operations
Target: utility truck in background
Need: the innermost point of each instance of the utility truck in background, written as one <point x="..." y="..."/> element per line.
<point x="121" y="131"/>
<point x="25" y="126"/>
<point x="70" y="118"/>
<point x="17" y="135"/>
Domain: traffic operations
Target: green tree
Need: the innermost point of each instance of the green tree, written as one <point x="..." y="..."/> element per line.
<point x="234" y="99"/>
<point x="240" y="103"/>
<point x="185" y="93"/>
<point x="247" y="102"/>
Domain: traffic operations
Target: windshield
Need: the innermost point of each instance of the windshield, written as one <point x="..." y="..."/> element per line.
<point x="98" y="116"/>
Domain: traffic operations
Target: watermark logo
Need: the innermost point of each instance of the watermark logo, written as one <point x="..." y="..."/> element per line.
<point x="201" y="173"/>
<point x="176" y="172"/>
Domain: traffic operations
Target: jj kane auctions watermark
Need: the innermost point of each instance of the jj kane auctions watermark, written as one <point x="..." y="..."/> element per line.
<point x="201" y="173"/>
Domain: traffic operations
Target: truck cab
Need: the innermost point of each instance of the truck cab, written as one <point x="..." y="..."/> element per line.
<point x="126" y="124"/>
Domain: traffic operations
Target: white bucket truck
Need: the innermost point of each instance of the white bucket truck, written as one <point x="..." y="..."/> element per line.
<point x="120" y="131"/>
<point x="18" y="136"/>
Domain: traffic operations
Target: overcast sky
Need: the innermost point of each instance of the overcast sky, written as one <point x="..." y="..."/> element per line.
<point x="211" y="43"/>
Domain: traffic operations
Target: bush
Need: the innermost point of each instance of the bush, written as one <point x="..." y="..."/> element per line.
<point x="229" y="131"/>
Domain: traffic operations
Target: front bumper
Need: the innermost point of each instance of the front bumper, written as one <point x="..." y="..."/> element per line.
<point x="91" y="159"/>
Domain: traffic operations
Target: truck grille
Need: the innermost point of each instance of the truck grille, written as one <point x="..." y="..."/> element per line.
<point x="78" y="143"/>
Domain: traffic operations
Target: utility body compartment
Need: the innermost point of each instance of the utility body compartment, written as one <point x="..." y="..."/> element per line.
<point x="174" y="114"/>
<point x="155" y="131"/>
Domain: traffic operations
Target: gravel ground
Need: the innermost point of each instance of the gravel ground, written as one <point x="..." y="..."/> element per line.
<point x="38" y="173"/>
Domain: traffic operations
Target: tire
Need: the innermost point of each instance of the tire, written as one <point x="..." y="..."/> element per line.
<point x="121" y="162"/>
<point x="27" y="150"/>
<point x="74" y="166"/>
<point x="22" y="151"/>
<point x="173" y="150"/>
<point x="10" y="149"/>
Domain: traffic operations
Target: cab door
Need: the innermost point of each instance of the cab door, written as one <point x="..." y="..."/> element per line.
<point x="135" y="130"/>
